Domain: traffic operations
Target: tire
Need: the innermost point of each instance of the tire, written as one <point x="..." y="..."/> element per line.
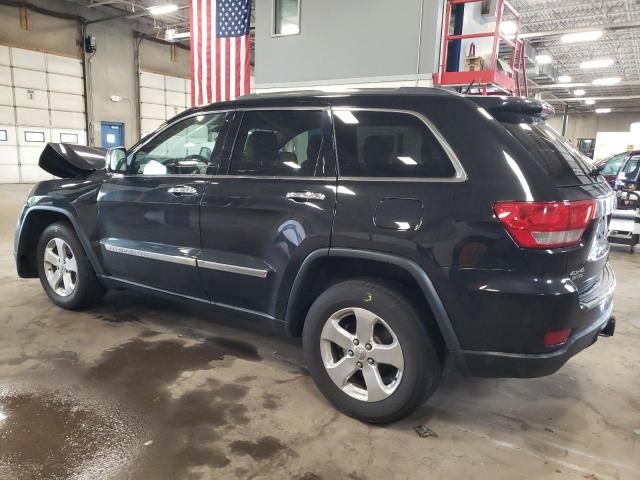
<point x="74" y="290"/>
<point x="397" y="324"/>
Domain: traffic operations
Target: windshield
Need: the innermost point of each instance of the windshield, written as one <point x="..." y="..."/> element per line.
<point x="613" y="164"/>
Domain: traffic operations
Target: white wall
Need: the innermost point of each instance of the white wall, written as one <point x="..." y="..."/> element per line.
<point x="587" y="125"/>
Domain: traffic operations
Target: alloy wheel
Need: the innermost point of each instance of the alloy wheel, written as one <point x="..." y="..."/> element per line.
<point x="361" y="354"/>
<point x="60" y="267"/>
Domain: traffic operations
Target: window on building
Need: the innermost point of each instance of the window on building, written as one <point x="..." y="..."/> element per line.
<point x="286" y="17"/>
<point x="388" y="144"/>
<point x="279" y="143"/>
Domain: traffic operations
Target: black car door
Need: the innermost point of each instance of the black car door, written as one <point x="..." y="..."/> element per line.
<point x="149" y="217"/>
<point x="273" y="208"/>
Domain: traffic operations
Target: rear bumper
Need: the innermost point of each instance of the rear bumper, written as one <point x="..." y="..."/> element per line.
<point x="594" y="318"/>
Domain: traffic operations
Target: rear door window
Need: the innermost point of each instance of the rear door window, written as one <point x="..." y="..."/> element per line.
<point x="282" y="143"/>
<point x="388" y="144"/>
<point x="564" y="164"/>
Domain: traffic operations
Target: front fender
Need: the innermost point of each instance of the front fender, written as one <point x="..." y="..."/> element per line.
<point x="25" y="243"/>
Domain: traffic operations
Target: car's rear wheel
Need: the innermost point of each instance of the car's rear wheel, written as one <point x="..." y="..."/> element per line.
<point x="368" y="351"/>
<point x="64" y="270"/>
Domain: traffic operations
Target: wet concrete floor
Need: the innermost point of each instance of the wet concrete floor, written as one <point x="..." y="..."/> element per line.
<point x="140" y="388"/>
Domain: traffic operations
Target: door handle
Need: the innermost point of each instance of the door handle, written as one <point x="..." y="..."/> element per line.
<point x="305" y="196"/>
<point x="182" y="191"/>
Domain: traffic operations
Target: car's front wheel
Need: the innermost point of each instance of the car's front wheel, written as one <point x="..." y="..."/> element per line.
<point x="369" y="352"/>
<point x="64" y="269"/>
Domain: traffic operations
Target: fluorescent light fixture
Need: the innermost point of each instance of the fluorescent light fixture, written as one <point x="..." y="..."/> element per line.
<point x="591" y="36"/>
<point x="589" y="102"/>
<point x="607" y="81"/>
<point x="508" y="27"/>
<point x="544" y="59"/>
<point x="603" y="110"/>
<point x="346" y="116"/>
<point x="292" y="165"/>
<point x="403" y="225"/>
<point x="172" y="34"/>
<point x="162" y="9"/>
<point x="407" y="160"/>
<point x="564" y="79"/>
<point x="580" y="92"/>
<point x="599" y="63"/>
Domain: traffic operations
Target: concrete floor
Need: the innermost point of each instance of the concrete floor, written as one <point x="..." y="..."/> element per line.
<point x="144" y="389"/>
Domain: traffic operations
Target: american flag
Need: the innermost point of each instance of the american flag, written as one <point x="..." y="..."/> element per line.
<point x="219" y="50"/>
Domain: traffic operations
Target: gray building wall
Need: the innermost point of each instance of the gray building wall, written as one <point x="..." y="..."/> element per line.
<point x="113" y="69"/>
<point x="354" y="41"/>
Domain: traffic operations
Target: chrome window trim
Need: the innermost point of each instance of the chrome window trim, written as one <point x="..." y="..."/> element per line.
<point x="332" y="179"/>
<point x="189" y="261"/>
<point x="225" y="267"/>
<point x="460" y="175"/>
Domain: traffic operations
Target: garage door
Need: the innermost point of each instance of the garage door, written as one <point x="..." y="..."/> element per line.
<point x="41" y="100"/>
<point x="161" y="98"/>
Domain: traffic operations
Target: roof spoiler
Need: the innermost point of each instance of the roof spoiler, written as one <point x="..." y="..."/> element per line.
<point x="66" y="160"/>
<point x="517" y="105"/>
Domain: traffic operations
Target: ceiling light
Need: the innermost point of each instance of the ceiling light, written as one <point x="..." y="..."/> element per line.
<point x="543" y="59"/>
<point x="600" y="63"/>
<point x="589" y="102"/>
<point x="407" y="160"/>
<point x="581" y="36"/>
<point x="580" y="92"/>
<point x="603" y="110"/>
<point x="564" y="79"/>
<point x="607" y="81"/>
<point x="509" y="27"/>
<point x="162" y="9"/>
<point x="346" y="116"/>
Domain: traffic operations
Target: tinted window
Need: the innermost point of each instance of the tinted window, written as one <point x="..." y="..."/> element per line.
<point x="182" y="149"/>
<point x="612" y="166"/>
<point x="388" y="144"/>
<point x="564" y="164"/>
<point x="279" y="143"/>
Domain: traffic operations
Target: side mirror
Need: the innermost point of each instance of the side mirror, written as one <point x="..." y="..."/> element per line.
<point x="117" y="160"/>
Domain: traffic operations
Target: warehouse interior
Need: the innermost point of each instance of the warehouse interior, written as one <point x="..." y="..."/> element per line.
<point x="141" y="387"/>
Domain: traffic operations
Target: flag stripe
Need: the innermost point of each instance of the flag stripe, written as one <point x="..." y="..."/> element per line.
<point x="192" y="56"/>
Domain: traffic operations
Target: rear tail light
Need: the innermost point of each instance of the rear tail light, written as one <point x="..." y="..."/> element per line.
<point x="555" y="339"/>
<point x="545" y="224"/>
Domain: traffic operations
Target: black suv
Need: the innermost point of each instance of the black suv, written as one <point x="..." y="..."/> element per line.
<point x="390" y="229"/>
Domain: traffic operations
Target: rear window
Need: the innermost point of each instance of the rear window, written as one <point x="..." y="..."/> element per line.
<point x="564" y="164"/>
<point x="388" y="144"/>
